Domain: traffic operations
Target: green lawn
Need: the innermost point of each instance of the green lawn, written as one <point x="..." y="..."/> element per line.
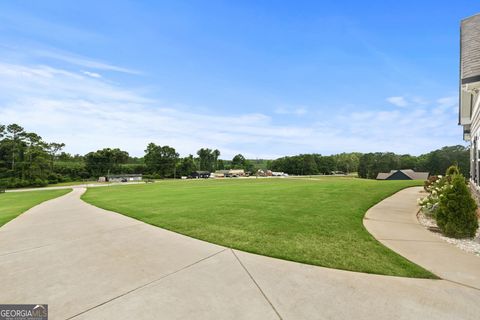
<point x="316" y="221"/>
<point x="14" y="203"/>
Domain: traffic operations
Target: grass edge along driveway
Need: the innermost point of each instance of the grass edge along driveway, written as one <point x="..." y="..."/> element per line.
<point x="12" y="204"/>
<point x="317" y="221"/>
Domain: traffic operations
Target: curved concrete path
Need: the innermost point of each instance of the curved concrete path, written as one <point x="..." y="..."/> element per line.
<point x="88" y="263"/>
<point x="394" y="223"/>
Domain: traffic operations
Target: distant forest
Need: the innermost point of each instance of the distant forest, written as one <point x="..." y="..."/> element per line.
<point x="27" y="160"/>
<point x="368" y="165"/>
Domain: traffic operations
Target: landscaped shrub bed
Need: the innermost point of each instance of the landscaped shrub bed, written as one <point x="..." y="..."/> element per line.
<point x="451" y="204"/>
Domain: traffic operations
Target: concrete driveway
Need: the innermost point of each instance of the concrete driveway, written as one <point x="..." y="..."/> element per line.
<point x="88" y="263"/>
<point x="394" y="223"/>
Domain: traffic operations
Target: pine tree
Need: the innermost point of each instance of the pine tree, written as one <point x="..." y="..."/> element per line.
<point x="457" y="212"/>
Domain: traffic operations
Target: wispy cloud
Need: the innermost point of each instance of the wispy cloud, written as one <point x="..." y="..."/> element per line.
<point x="398" y="101"/>
<point x="92" y="74"/>
<point x="444" y="104"/>
<point x="82" y="61"/>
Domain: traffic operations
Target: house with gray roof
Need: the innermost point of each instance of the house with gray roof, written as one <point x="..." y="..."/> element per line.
<point x="406" y="174"/>
<point x="469" y="106"/>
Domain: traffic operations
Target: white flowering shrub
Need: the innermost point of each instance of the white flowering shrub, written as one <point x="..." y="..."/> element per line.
<point x="451" y="204"/>
<point x="436" y="186"/>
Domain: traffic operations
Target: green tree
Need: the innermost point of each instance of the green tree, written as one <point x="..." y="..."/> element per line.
<point x="23" y="157"/>
<point x="408" y="162"/>
<point x="186" y="166"/>
<point x="15" y="135"/>
<point x="53" y="149"/>
<point x="457" y="211"/>
<point x="347" y="162"/>
<point x="372" y="163"/>
<point x="105" y="161"/>
<point x="216" y="155"/>
<point x="161" y="160"/>
<point x="220" y="164"/>
<point x="206" y="159"/>
<point x="437" y="161"/>
<point x="309" y="165"/>
<point x="239" y="162"/>
<point x="364" y="165"/>
<point x="35" y="164"/>
<point x="326" y="164"/>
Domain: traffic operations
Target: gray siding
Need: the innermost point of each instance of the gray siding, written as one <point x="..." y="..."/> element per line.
<point x="470" y="48"/>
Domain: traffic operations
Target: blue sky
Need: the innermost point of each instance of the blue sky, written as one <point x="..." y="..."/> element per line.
<point x="261" y="78"/>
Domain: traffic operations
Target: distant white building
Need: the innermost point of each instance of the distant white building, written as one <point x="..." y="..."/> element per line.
<point x="469" y="113"/>
<point x="121" y="178"/>
<point x="230" y="173"/>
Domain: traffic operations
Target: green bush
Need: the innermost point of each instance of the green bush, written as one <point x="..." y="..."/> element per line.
<point x="17" y="183"/>
<point x="457" y="216"/>
<point x="12" y="183"/>
<point x="39" y="183"/>
<point x="152" y="176"/>
<point x="452" y="170"/>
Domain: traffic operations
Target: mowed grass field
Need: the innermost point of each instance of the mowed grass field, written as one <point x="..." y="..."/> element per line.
<point x="14" y="203"/>
<point x="314" y="221"/>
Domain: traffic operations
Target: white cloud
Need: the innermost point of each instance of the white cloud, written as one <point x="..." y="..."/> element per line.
<point x="92" y="74"/>
<point x="448" y="101"/>
<point x="88" y="113"/>
<point x="398" y="101"/>
<point x="420" y="101"/>
<point x="81" y="61"/>
<point x="445" y="104"/>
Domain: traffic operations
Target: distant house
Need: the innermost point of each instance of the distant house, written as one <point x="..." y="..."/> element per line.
<point x="236" y="172"/>
<point x="221" y="173"/>
<point x="230" y="173"/>
<point x="199" y="175"/>
<point x="121" y="178"/>
<point x="407" y="174"/>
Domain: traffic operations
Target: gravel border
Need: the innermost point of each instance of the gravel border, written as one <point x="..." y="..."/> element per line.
<point x="469" y="245"/>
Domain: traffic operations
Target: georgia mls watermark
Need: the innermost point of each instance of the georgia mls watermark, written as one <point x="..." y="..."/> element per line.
<point x="23" y="311"/>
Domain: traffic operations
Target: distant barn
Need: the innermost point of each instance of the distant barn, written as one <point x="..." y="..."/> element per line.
<point x="406" y="174"/>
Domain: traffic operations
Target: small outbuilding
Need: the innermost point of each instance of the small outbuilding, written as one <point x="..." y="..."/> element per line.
<point x="406" y="174"/>
<point x="199" y="175"/>
<point x="236" y="173"/>
<point x="121" y="178"/>
<point x="229" y="173"/>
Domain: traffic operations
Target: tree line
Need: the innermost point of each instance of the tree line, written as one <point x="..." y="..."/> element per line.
<point x="27" y="160"/>
<point x="436" y="162"/>
<point x="312" y="164"/>
<point x="368" y="165"/>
